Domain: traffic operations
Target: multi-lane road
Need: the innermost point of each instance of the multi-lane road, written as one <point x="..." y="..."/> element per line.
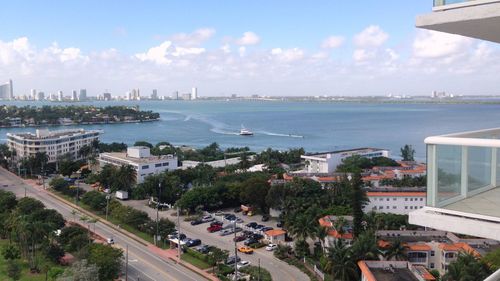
<point x="142" y="265"/>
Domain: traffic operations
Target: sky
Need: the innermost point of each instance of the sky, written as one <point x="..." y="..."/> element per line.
<point x="335" y="48"/>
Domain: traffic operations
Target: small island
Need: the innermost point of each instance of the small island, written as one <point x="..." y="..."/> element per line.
<point x="32" y="116"/>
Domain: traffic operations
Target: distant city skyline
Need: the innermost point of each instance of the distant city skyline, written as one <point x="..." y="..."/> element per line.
<point x="283" y="48"/>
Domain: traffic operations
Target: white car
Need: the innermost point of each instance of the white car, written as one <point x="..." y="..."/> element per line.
<point x="110" y="241"/>
<point x="242" y="264"/>
<point x="271" y="247"/>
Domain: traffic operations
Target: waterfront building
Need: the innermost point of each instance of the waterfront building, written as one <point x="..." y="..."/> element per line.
<point x="327" y="162"/>
<point x="74" y="96"/>
<point x="394" y="201"/>
<point x="55" y="144"/>
<point x="60" y="96"/>
<point x="140" y="158"/>
<point x="7" y="91"/>
<point x="33" y="94"/>
<point x="106" y="96"/>
<point x="40" y="96"/>
<point x="194" y="93"/>
<point x="154" y="94"/>
<point x="333" y="234"/>
<point x="186" y="96"/>
<point x="175" y="95"/>
<point x="82" y="96"/>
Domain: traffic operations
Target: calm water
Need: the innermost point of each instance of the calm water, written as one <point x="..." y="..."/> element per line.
<point x="282" y="125"/>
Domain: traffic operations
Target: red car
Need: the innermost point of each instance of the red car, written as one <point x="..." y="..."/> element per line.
<point x="214" y="228"/>
<point x="239" y="238"/>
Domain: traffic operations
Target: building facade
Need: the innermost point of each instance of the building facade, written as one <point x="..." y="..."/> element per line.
<point x="56" y="144"/>
<point x="327" y="162"/>
<point x="401" y="203"/>
<point x="7" y="91"/>
<point x="140" y="158"/>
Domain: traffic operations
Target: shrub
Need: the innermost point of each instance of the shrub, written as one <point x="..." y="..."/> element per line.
<point x="95" y="200"/>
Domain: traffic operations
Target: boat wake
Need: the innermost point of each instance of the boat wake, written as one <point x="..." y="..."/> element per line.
<point x="280" y="135"/>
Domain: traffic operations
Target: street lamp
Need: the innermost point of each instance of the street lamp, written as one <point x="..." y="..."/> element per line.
<point x="157" y="214"/>
<point x="178" y="232"/>
<point x="107" y="204"/>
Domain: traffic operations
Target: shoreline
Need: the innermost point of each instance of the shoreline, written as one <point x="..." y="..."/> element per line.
<point x="82" y="123"/>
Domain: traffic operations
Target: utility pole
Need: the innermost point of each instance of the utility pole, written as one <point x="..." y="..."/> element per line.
<point x="107" y="204"/>
<point x="259" y="271"/>
<point x="235" y="253"/>
<point x="157" y="214"/>
<point x="77" y="189"/>
<point x="178" y="236"/>
<point x="126" y="264"/>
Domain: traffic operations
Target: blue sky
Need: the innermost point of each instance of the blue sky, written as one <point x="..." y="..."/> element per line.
<point x="243" y="47"/>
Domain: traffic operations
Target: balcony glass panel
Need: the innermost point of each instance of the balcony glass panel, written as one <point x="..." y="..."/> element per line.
<point x="448" y="2"/>
<point x="478" y="167"/>
<point x="449" y="171"/>
<point x="498" y="167"/>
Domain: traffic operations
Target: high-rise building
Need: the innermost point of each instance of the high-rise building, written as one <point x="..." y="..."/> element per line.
<point x="463" y="169"/>
<point x="74" y="95"/>
<point x="194" y="93"/>
<point x="7" y="91"/>
<point x="83" y="95"/>
<point x="129" y="96"/>
<point x="175" y="95"/>
<point x="154" y="94"/>
<point x="33" y="94"/>
<point x="186" y="96"/>
<point x="106" y="96"/>
<point x="60" y="96"/>
<point x="40" y="96"/>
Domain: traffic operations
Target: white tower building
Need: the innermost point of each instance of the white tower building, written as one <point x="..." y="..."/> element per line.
<point x="194" y="93"/>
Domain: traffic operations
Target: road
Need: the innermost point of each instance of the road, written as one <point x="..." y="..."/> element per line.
<point x="280" y="271"/>
<point x="143" y="265"/>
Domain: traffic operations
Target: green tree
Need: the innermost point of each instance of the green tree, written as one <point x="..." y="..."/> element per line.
<point x="107" y="259"/>
<point x="95" y="199"/>
<point x="7" y="201"/>
<point x="341" y="262"/>
<point x="493" y="258"/>
<point x="359" y="200"/>
<point x="467" y="267"/>
<point x="396" y="251"/>
<point x="68" y="167"/>
<point x="81" y="271"/>
<point x="253" y="190"/>
<point x="143" y="143"/>
<point x="407" y="153"/>
<point x="365" y="247"/>
<point x="10" y="252"/>
<point x="13" y="269"/>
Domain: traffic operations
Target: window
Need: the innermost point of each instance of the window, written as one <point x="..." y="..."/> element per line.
<point x="394" y="207"/>
<point x="387" y="207"/>
<point x="145" y="167"/>
<point x="157" y="165"/>
<point x="387" y="199"/>
<point x="432" y="253"/>
<point x="394" y="199"/>
<point x="406" y="199"/>
<point x="432" y="265"/>
<point x="165" y="164"/>
<point x="406" y="207"/>
<point x="380" y="207"/>
<point x="411" y="199"/>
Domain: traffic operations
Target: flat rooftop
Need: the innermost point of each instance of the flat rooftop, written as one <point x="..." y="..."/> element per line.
<point x="52" y="134"/>
<point x="359" y="150"/>
<point x="124" y="156"/>
<point x="394" y="274"/>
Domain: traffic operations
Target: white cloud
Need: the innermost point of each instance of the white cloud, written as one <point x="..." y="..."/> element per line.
<point x="248" y="38"/>
<point x="360" y="55"/>
<point x="226" y="48"/>
<point x="372" y="36"/>
<point x="288" y="55"/>
<point x="157" y="54"/>
<point x="332" y="42"/>
<point x="433" y="44"/>
<point x="242" y="50"/>
<point x="193" y="39"/>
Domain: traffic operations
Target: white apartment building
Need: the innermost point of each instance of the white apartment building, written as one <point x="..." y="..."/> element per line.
<point x="396" y="202"/>
<point x="54" y="143"/>
<point x="393" y="271"/>
<point x="141" y="159"/>
<point x="7" y="91"/>
<point x="327" y="162"/>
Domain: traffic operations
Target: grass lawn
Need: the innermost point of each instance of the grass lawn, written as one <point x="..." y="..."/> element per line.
<point x="195" y="261"/>
<point x="25" y="274"/>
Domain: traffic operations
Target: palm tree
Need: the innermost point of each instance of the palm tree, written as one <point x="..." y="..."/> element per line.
<point x="365" y="247"/>
<point x="321" y="234"/>
<point x="467" y="267"/>
<point x="397" y="251"/>
<point x="341" y="262"/>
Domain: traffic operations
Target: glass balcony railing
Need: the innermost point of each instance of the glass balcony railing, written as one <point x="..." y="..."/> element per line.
<point x="438" y="3"/>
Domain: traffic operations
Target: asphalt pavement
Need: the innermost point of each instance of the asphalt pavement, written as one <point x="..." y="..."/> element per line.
<point x="143" y="265"/>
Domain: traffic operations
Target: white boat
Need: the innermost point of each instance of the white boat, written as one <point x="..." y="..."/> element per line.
<point x="245" y="132"/>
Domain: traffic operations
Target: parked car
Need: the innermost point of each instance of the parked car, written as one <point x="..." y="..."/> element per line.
<point x="176" y="236"/>
<point x="250" y="241"/>
<point x="216" y="223"/>
<point x="204" y="249"/>
<point x="251" y="224"/>
<point x="214" y="228"/>
<point x="259" y="227"/>
<point x="256" y="236"/>
<point x="110" y="241"/>
<point x="245" y="250"/>
<point x="239" y="238"/>
<point x="232" y="259"/>
<point x="193" y="242"/>
<point x="242" y="264"/>
<point x="271" y="247"/>
<point x="196" y="222"/>
<point x="207" y="218"/>
<point x="226" y="232"/>
<point x="265" y="217"/>
<point x="219" y="213"/>
<point x="238" y="220"/>
<point x="264" y="229"/>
